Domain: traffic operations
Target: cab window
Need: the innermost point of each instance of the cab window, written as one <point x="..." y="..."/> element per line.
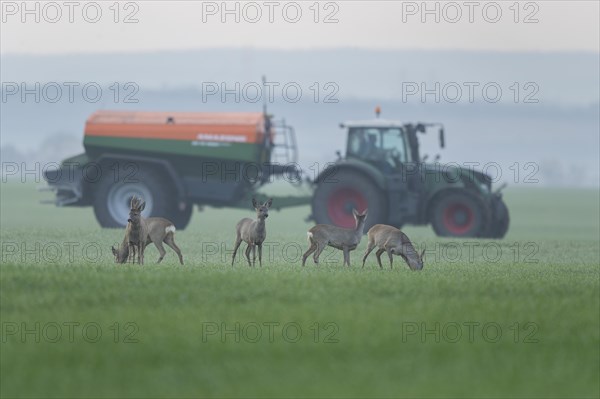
<point x="378" y="144"/>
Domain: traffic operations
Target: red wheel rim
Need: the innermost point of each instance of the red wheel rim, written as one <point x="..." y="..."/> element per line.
<point x="458" y="218"/>
<point x="341" y="203"/>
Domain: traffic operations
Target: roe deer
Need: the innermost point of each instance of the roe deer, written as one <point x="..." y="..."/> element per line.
<point x="347" y="240"/>
<point x="393" y="241"/>
<point x="122" y="253"/>
<point x="142" y="231"/>
<point x="253" y="232"/>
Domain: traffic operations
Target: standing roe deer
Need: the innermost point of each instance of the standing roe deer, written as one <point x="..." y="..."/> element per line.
<point x="346" y="240"/>
<point x="393" y="241"/>
<point x="142" y="231"/>
<point x="253" y="232"/>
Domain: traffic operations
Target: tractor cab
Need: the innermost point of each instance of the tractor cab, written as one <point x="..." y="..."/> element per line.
<point x="387" y="145"/>
<point x="387" y="151"/>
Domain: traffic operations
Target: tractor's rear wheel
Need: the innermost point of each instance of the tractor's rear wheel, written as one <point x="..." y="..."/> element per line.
<point x="500" y="221"/>
<point x="334" y="200"/>
<point x="458" y="215"/>
<point x="112" y="199"/>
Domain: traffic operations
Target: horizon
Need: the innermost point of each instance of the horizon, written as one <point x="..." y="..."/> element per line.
<point x="312" y="49"/>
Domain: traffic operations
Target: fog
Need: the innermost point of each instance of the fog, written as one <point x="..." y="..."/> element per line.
<point x="537" y="109"/>
<point x="514" y="83"/>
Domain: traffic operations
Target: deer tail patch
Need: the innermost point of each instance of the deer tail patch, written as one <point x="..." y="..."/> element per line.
<point x="170" y="229"/>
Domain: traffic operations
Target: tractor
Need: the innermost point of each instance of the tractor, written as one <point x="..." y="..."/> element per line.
<point x="178" y="160"/>
<point x="382" y="170"/>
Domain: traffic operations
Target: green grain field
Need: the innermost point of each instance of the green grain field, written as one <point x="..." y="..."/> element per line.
<point x="484" y="319"/>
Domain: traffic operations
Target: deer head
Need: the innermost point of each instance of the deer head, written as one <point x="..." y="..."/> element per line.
<point x="135" y="211"/>
<point x="262" y="211"/>
<point x="120" y="254"/>
<point x="359" y="217"/>
<point x="416" y="261"/>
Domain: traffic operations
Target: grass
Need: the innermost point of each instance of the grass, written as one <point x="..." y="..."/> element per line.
<point x="377" y="329"/>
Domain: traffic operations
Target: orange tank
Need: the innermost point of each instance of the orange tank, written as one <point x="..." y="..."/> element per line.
<point x="238" y="127"/>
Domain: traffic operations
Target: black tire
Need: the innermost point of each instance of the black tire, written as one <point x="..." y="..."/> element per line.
<point x="181" y="218"/>
<point x="336" y="196"/>
<point x="501" y="221"/>
<point x="458" y="215"/>
<point x="111" y="198"/>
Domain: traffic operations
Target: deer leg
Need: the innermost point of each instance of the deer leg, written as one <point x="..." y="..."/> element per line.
<point x="238" y="241"/>
<point x="378" y="253"/>
<point x="142" y="248"/>
<point x="368" y="251"/>
<point x="248" y="248"/>
<point x="389" y="252"/>
<point x="346" y="256"/>
<point x="139" y="252"/>
<point x="170" y="241"/>
<point x="260" y="254"/>
<point x="320" y="249"/>
<point x="311" y="249"/>
<point x="130" y="253"/>
<point x="253" y="254"/>
<point x="161" y="250"/>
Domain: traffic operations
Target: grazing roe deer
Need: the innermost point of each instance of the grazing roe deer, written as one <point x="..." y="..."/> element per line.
<point x="393" y="241"/>
<point x="346" y="240"/>
<point x="142" y="231"/>
<point x="122" y="253"/>
<point x="253" y="232"/>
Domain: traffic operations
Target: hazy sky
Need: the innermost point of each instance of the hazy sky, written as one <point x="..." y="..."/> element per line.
<point x="63" y="27"/>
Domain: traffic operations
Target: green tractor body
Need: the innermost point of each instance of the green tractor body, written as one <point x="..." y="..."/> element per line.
<point x="382" y="170"/>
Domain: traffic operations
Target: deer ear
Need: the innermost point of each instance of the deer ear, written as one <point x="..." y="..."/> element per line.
<point x="269" y="203"/>
<point x="355" y="212"/>
<point x="114" y="251"/>
<point x="423" y="254"/>
<point x="132" y="203"/>
<point x="254" y="203"/>
<point x="142" y="206"/>
<point x="365" y="212"/>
